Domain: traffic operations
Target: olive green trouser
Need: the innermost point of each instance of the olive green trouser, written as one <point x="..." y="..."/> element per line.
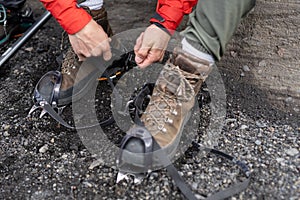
<point x="213" y="22"/>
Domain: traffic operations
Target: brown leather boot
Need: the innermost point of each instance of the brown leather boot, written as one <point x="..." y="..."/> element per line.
<point x="170" y="105"/>
<point x="71" y="65"/>
<point x="174" y="96"/>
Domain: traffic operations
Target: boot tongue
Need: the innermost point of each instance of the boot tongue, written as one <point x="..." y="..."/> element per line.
<point x="173" y="83"/>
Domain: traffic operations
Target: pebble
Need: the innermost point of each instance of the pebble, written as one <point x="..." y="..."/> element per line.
<point x="29" y="49"/>
<point x="246" y="68"/>
<point x="5" y="127"/>
<point x="258" y="142"/>
<point x="292" y="152"/>
<point x="44" y="148"/>
<point x="260" y="124"/>
<point x="243" y="127"/>
<point x="96" y="163"/>
<point x="280" y="160"/>
<point x="262" y="63"/>
<point x="6" y="134"/>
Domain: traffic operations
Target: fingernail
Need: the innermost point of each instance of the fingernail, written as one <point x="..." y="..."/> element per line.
<point x="138" y="59"/>
<point x="107" y="57"/>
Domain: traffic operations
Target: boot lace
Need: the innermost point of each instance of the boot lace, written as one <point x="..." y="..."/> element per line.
<point x="172" y="89"/>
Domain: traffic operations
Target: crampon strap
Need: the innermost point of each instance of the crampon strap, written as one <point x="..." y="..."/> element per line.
<point x="223" y="194"/>
<point x="49" y="104"/>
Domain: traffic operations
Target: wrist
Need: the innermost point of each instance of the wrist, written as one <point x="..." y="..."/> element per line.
<point x="167" y="26"/>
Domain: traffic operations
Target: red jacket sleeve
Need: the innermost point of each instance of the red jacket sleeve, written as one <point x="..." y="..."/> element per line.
<point x="68" y="15"/>
<point x="172" y="12"/>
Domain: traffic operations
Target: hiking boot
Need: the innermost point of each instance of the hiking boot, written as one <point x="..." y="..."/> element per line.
<point x="170" y="106"/>
<point x="15" y="19"/>
<point x="70" y="69"/>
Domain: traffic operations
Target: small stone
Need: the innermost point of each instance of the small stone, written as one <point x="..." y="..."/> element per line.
<point x="289" y="100"/>
<point x="29" y="49"/>
<point x="230" y="120"/>
<point x="5" y="127"/>
<point x="64" y="156"/>
<point x="43" y="149"/>
<point x="6" y="134"/>
<point x="262" y="63"/>
<point x="242" y="74"/>
<point x="96" y="163"/>
<point x="280" y="160"/>
<point x="233" y="53"/>
<point x="260" y="124"/>
<point x="292" y="152"/>
<point x="87" y="184"/>
<point x="243" y="127"/>
<point x="258" y="142"/>
<point x="246" y="68"/>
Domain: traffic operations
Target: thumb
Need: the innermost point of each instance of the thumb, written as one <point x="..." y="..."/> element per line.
<point x="141" y="54"/>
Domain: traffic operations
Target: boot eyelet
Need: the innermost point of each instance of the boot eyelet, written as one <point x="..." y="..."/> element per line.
<point x="168" y="120"/>
<point x="174" y="112"/>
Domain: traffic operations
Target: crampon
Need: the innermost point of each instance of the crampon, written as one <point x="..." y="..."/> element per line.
<point x="148" y="152"/>
<point x="49" y="103"/>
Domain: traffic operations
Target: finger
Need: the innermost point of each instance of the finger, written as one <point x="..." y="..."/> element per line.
<point x="104" y="46"/>
<point x="162" y="56"/>
<point x="153" y="56"/>
<point x="82" y="50"/>
<point x="137" y="47"/>
<point x="107" y="54"/>
<point x="138" y="42"/>
<point x="142" y="54"/>
<point x="81" y="57"/>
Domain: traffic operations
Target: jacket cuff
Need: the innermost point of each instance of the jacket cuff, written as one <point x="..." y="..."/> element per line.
<point x="168" y="26"/>
<point x="68" y="15"/>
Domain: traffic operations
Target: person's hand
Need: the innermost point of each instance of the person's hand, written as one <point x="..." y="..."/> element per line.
<point x="150" y="46"/>
<point x="91" y="41"/>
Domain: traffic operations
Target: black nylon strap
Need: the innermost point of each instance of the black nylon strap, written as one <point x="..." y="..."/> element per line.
<point x="187" y="192"/>
<point x="60" y="120"/>
<point x="172" y="171"/>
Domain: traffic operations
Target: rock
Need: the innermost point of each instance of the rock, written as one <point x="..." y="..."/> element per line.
<point x="262" y="63"/>
<point x="96" y="163"/>
<point x="6" y="134"/>
<point x="243" y="127"/>
<point x="258" y="142"/>
<point x="44" y="148"/>
<point x="260" y="124"/>
<point x="292" y="152"/>
<point x="29" y="49"/>
<point x="246" y="68"/>
<point x="280" y="160"/>
<point x="5" y="127"/>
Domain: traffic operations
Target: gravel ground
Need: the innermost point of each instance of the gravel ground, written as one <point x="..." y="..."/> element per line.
<point x="41" y="160"/>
